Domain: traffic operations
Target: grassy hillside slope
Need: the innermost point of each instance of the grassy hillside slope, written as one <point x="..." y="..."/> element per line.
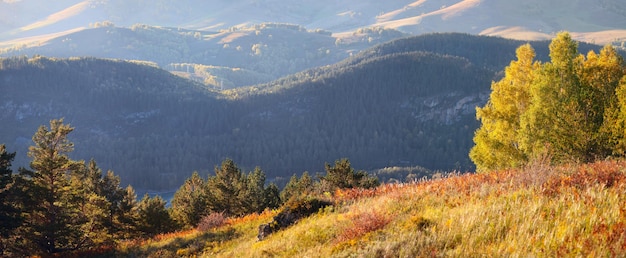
<point x="570" y="210"/>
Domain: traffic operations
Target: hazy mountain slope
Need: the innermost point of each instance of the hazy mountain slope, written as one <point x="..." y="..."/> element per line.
<point x="267" y="50"/>
<point x="396" y="108"/>
<point x="517" y="19"/>
<point x="490" y="52"/>
<point x="104" y="100"/>
<point x="533" y="19"/>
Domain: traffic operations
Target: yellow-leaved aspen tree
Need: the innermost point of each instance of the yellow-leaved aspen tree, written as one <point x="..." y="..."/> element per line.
<point x="497" y="138"/>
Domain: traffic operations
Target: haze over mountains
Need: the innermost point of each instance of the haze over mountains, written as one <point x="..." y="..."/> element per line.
<point x="245" y="35"/>
<point x="341" y="79"/>
<point x="601" y="21"/>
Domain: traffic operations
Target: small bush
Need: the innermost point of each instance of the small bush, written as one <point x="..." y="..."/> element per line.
<point x="363" y="224"/>
<point x="211" y="221"/>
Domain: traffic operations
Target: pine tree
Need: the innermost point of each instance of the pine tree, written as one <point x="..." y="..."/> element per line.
<point x="271" y="198"/>
<point x="305" y="184"/>
<point x="85" y="191"/>
<point x="342" y="175"/>
<point x="255" y="196"/>
<point x="291" y="189"/>
<point x="51" y="222"/>
<point x="189" y="204"/>
<point x="227" y="190"/>
<point x="153" y="217"/>
<point x="127" y="216"/>
<point x="10" y="215"/>
<point x="114" y="194"/>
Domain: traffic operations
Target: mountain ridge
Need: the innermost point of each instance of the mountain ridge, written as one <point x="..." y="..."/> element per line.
<point x="392" y="107"/>
<point x="529" y="20"/>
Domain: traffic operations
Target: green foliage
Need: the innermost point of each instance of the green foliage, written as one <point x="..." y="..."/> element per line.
<point x="342" y="175"/>
<point x="10" y="215"/>
<point x="128" y="217"/>
<point x="153" y="217"/>
<point x="256" y="190"/>
<point x="66" y="205"/>
<point x="567" y="109"/>
<point x="272" y="197"/>
<point x="51" y="222"/>
<point x="297" y="188"/>
<point x="190" y="202"/>
<point x="227" y="189"/>
<point x="234" y="193"/>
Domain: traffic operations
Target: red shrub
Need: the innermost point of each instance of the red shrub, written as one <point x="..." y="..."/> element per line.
<point x="363" y="224"/>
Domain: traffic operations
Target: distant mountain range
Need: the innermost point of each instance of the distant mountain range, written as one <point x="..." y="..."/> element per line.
<point x="157" y="89"/>
<point x="599" y="21"/>
<point x="229" y="44"/>
<point x="259" y="53"/>
<point x="409" y="102"/>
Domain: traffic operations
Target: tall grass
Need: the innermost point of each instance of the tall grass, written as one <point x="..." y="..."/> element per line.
<point x="538" y="211"/>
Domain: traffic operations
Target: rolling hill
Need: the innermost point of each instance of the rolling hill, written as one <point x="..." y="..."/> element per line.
<point x="226" y="45"/>
<point x="594" y="21"/>
<point x="263" y="52"/>
<point x="399" y="104"/>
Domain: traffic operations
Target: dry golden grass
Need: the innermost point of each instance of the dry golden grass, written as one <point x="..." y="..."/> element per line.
<point x="539" y="211"/>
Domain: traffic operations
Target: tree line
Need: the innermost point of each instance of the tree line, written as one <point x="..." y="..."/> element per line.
<point x="571" y="108"/>
<point x="61" y="205"/>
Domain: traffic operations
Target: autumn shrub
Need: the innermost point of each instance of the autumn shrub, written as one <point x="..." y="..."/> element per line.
<point x="606" y="173"/>
<point x="211" y="221"/>
<point x="362" y="224"/>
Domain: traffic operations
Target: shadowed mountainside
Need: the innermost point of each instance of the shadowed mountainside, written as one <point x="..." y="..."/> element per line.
<point x="400" y="104"/>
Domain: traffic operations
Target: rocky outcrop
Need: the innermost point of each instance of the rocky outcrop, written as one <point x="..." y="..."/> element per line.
<point x="291" y="213"/>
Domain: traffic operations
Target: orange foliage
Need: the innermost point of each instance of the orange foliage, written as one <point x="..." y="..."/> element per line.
<point x="183" y="233"/>
<point x="362" y="224"/>
<point x="265" y="215"/>
<point x="606" y="173"/>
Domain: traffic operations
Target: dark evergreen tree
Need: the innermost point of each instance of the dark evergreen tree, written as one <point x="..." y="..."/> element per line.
<point x="10" y="215"/>
<point x="291" y="189"/>
<point x="255" y="196"/>
<point x="297" y="188"/>
<point x="342" y="175"/>
<point x="52" y="220"/>
<point x="93" y="215"/>
<point x="189" y="204"/>
<point x="271" y="197"/>
<point x="127" y="215"/>
<point x="153" y="217"/>
<point x="227" y="190"/>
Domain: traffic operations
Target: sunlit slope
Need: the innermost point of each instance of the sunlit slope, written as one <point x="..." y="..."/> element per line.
<point x="572" y="210"/>
<point x="513" y="19"/>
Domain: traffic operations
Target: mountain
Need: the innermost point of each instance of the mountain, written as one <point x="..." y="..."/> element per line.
<point x="404" y="103"/>
<point x="260" y="52"/>
<point x="592" y="21"/>
<point x="230" y="44"/>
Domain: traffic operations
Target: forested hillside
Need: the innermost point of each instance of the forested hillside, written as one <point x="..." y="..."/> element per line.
<point x="400" y="104"/>
<point x="265" y="51"/>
